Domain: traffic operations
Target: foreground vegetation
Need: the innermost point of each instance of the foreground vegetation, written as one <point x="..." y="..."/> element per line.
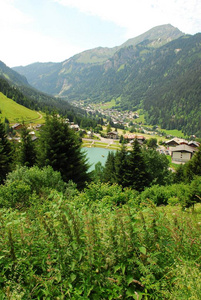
<point x="101" y="243"/>
<point x="129" y="230"/>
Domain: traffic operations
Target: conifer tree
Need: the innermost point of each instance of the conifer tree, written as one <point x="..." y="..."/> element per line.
<point x="109" y="170"/>
<point x="121" y="165"/>
<point x="27" y="152"/>
<point x="136" y="175"/>
<point x="60" y="148"/>
<point x="5" y="154"/>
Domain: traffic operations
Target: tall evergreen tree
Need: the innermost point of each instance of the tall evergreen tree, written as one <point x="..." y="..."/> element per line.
<point x="109" y="170"/>
<point x="6" y="157"/>
<point x="60" y="148"/>
<point x="136" y="175"/>
<point x="121" y="165"/>
<point x="27" y="151"/>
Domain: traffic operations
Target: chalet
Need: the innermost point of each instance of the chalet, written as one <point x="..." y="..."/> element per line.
<point x="90" y="134"/>
<point x="182" y="153"/>
<point x="17" y="126"/>
<point x="38" y="126"/>
<point x="194" y="144"/>
<point x="75" y="127"/>
<point x="176" y="142"/>
<point x="131" y="137"/>
<point x="112" y="135"/>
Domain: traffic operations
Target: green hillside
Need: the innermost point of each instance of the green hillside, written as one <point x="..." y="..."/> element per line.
<point x="15" y="112"/>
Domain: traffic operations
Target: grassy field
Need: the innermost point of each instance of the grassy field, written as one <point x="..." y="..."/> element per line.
<point x="174" y="132"/>
<point x="17" y="113"/>
<point x="108" y="105"/>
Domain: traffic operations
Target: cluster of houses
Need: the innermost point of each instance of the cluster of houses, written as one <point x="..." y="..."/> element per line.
<point x="181" y="150"/>
<point x="117" y="117"/>
<point x="17" y="126"/>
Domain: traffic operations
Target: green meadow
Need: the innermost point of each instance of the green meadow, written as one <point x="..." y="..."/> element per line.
<point x="15" y="112"/>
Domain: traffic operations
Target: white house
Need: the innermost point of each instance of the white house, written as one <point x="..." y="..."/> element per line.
<point x="182" y="153"/>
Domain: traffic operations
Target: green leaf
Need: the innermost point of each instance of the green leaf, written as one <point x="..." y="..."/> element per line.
<point x="143" y="250"/>
<point x="129" y="279"/>
<point x="72" y="277"/>
<point x="117" y="268"/>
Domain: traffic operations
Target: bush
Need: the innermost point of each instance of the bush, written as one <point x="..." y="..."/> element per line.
<point x="37" y="178"/>
<point x="158" y="194"/>
<point x="15" y="195"/>
<point x="25" y="186"/>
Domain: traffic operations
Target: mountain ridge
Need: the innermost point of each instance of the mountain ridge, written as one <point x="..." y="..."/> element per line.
<point x="161" y="75"/>
<point x="92" y="57"/>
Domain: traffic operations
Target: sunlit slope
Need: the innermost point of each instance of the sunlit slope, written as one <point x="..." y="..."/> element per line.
<point x="15" y="112"/>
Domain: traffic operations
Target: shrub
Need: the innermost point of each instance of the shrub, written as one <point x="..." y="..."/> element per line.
<point x="16" y="194"/>
<point x="37" y="178"/>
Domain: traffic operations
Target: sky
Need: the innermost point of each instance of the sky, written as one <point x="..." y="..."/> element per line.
<point x="55" y="30"/>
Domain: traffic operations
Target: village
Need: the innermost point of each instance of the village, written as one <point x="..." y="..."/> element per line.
<point x="180" y="149"/>
<point x="125" y="127"/>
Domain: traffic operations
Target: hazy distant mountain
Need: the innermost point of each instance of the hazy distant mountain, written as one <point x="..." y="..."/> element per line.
<point x="11" y="75"/>
<point x="158" y="71"/>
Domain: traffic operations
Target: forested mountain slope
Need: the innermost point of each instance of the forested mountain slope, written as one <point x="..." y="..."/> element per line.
<point x="158" y="71"/>
<point x="70" y="78"/>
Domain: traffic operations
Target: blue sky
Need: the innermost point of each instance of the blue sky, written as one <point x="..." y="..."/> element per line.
<point x="54" y="30"/>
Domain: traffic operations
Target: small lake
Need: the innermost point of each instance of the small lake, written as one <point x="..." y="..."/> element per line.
<point x="95" y="155"/>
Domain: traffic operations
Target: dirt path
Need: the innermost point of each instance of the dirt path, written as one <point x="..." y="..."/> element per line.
<point x="40" y="116"/>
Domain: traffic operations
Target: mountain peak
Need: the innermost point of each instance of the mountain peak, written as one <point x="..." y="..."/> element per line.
<point x="162" y="34"/>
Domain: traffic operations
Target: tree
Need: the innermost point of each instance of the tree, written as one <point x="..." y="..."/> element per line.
<point x="59" y="147"/>
<point x="98" y="172"/>
<point x="27" y="152"/>
<point x="109" y="170"/>
<point x="157" y="166"/>
<point x="193" y="167"/>
<point x="5" y="154"/>
<point x="136" y="175"/>
<point x="152" y="143"/>
<point x="109" y="128"/>
<point x="121" y="165"/>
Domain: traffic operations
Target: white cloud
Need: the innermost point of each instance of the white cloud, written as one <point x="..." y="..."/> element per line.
<point x="22" y="45"/>
<point x="138" y="16"/>
<point x="9" y="15"/>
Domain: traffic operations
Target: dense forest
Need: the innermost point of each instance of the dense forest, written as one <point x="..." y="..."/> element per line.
<point x="70" y="234"/>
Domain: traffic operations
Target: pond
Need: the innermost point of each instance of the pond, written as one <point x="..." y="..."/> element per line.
<point x="95" y="155"/>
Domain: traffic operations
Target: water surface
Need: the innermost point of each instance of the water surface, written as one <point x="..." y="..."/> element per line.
<point x="95" y="155"/>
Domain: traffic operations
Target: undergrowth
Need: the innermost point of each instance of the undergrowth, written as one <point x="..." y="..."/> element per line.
<point x="64" y="249"/>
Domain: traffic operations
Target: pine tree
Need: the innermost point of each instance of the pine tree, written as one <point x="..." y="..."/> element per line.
<point x="27" y="152"/>
<point x="121" y="165"/>
<point x="5" y="154"/>
<point x="109" y="170"/>
<point x="136" y="175"/>
<point x="60" y="148"/>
